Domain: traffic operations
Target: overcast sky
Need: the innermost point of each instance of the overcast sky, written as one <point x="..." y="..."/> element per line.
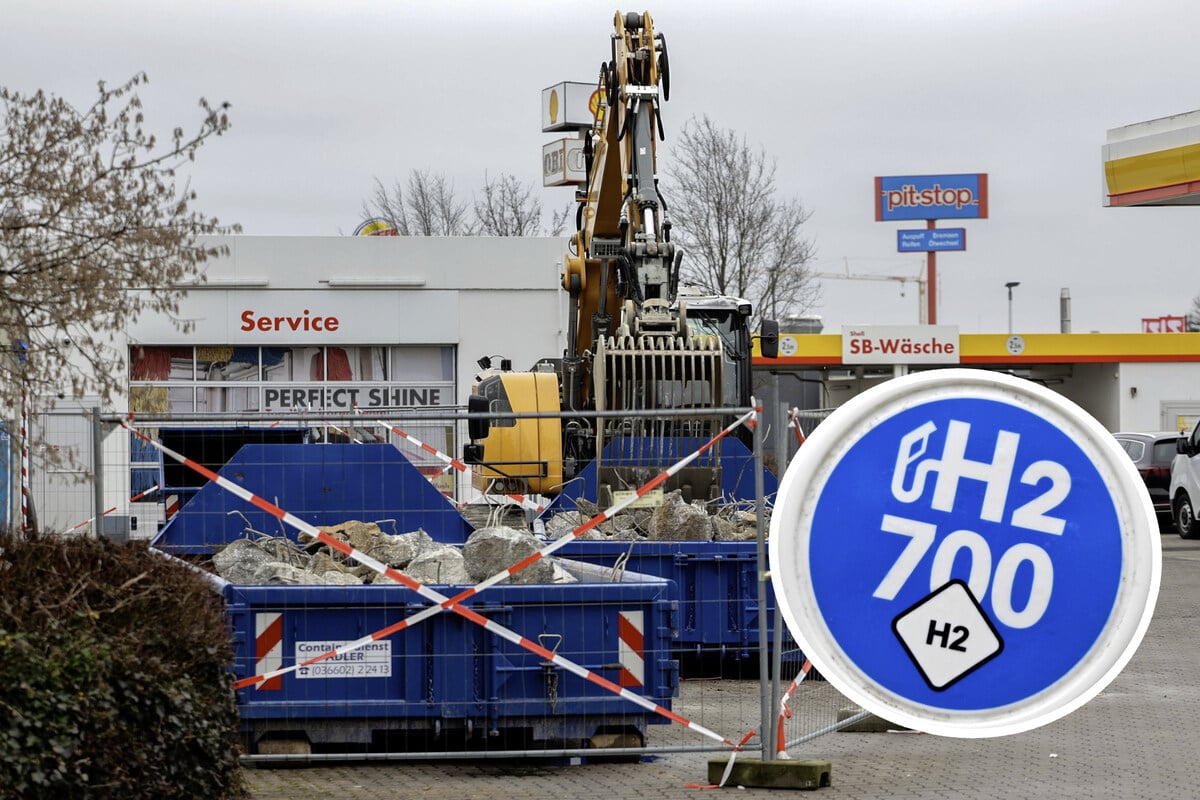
<point x="326" y="96"/>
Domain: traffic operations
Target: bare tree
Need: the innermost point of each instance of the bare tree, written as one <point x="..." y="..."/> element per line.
<point x="89" y="209"/>
<point x="1193" y="315"/>
<point x="738" y="236"/>
<point x="425" y="206"/>
<point x="558" y="219"/>
<point x="508" y="208"/>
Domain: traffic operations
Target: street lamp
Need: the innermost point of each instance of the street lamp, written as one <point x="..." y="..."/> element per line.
<point x="1010" y="286"/>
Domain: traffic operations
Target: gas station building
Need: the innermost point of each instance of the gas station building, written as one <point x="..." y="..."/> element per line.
<point x="1129" y="382"/>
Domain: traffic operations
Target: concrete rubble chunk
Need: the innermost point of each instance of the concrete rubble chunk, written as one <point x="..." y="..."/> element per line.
<point x="238" y="561"/>
<point x="399" y="550"/>
<point x="726" y="529"/>
<point x="561" y="575"/>
<point x="437" y="565"/>
<point x="359" y="535"/>
<point x="492" y="550"/>
<point x="564" y="524"/>
<point x="628" y="535"/>
<point x="243" y="560"/>
<point x="586" y="507"/>
<point x="677" y="520"/>
<point x="334" y="578"/>
<point x="328" y="570"/>
<point x="673" y="520"/>
<point x="629" y="519"/>
<point x="324" y="562"/>
<point x="276" y="573"/>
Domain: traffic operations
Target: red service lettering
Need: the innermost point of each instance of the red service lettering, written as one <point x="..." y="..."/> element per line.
<point x="304" y="322"/>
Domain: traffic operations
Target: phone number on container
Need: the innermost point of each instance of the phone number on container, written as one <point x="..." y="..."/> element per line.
<point x="346" y="671"/>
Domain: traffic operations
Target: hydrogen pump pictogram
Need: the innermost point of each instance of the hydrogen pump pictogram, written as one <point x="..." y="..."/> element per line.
<point x="964" y="552"/>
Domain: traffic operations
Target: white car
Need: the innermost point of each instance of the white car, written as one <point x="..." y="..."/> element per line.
<point x="1185" y="484"/>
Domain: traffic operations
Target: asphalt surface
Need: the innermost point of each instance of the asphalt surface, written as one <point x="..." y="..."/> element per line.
<point x="1135" y="740"/>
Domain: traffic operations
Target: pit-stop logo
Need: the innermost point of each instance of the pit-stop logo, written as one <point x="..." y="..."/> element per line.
<point x="909" y="195"/>
<point x="931" y="197"/>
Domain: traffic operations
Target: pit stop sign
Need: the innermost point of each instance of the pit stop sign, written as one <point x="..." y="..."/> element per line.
<point x="965" y="553"/>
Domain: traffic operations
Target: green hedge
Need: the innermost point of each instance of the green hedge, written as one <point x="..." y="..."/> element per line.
<point x="113" y="675"/>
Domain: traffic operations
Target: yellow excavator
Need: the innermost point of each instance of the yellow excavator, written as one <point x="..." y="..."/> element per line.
<point x="636" y="341"/>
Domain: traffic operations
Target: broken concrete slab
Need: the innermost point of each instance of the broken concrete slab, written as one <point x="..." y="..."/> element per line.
<point x="676" y="520"/>
<point x="492" y="550"/>
<point x="440" y="564"/>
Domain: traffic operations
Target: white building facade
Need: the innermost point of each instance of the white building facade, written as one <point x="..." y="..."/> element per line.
<point x="322" y="325"/>
<point x="334" y="323"/>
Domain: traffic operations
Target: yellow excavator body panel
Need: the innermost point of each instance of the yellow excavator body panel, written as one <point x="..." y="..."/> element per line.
<point x="523" y="455"/>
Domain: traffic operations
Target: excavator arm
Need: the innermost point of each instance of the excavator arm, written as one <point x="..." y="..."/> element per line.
<point x="622" y="250"/>
<point x="630" y="346"/>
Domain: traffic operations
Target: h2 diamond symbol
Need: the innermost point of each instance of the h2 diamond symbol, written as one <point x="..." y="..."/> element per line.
<point x="948" y="635"/>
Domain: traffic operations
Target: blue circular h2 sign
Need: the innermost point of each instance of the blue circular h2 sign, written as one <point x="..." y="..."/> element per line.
<point x="964" y="552"/>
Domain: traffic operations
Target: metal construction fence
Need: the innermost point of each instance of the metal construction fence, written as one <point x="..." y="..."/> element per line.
<point x="372" y="617"/>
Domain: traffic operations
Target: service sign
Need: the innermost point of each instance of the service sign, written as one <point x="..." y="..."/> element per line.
<point x="965" y="553"/>
<point x="931" y="197"/>
<point x="900" y="344"/>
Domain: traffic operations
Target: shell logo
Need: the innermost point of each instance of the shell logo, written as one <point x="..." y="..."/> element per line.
<point x="376" y="227"/>
<point x="597" y="99"/>
<point x="553" y="106"/>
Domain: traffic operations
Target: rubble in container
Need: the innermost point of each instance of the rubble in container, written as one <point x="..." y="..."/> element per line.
<point x="492" y="550"/>
<point x="267" y="560"/>
<point x="674" y="520"/>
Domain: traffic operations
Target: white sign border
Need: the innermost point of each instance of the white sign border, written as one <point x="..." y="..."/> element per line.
<point x="810" y="469"/>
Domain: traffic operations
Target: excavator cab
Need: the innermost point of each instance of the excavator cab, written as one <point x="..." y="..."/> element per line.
<point x="516" y="455"/>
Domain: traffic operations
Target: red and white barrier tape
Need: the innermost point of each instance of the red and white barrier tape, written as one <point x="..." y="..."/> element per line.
<point x="451" y="462"/>
<point x="785" y="712"/>
<point x="134" y="499"/>
<point x="794" y="423"/>
<point x="445" y="603"/>
<point x="728" y="767"/>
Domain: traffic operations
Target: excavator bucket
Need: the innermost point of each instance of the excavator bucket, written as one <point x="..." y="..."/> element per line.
<point x="650" y="373"/>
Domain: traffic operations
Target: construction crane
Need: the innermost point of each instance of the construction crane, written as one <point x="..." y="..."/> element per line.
<point x="903" y="280"/>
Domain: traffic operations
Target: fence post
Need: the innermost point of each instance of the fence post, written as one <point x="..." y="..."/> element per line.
<point x="26" y="512"/>
<point x="97" y="473"/>
<point x="766" y="732"/>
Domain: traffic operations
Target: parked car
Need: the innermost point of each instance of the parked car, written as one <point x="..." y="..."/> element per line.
<point x="1185" y="484"/>
<point x="1153" y="454"/>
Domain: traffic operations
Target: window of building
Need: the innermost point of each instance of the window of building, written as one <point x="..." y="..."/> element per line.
<point x="218" y="380"/>
<point x="211" y="379"/>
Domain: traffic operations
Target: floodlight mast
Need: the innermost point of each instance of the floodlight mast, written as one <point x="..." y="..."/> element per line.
<point x="1010" y="285"/>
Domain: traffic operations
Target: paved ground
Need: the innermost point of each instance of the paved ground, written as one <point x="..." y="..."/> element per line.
<point x="1136" y="740"/>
